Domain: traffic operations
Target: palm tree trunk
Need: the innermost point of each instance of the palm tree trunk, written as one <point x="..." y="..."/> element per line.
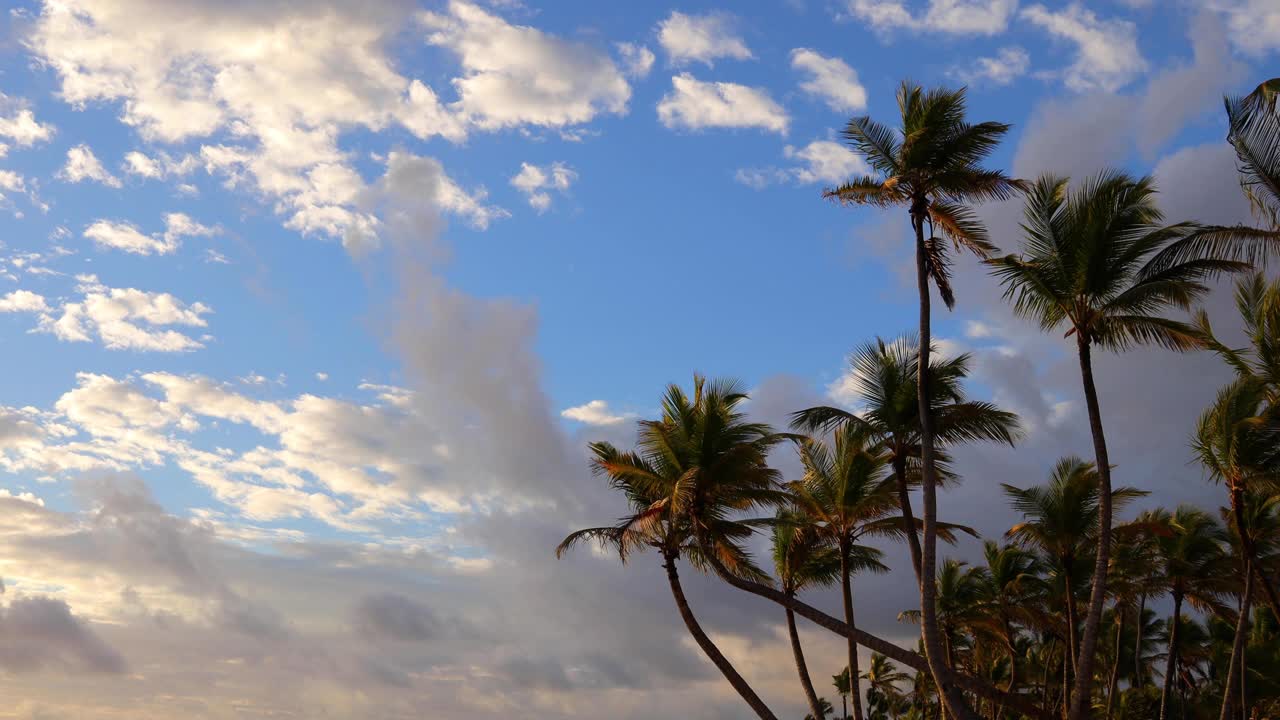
<point x="908" y="517"/>
<point x="846" y="587"/>
<point x="951" y="695"/>
<point x="708" y="647"/>
<point x="1013" y="668"/>
<point x="1083" y="695"/>
<point x="1069" y="599"/>
<point x="805" y="681"/>
<point x="1114" y="681"/>
<point x="1237" y="645"/>
<point x="1171" y="663"/>
<point x="1137" y="644"/>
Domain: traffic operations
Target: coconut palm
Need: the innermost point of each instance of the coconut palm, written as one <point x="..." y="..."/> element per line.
<point x="802" y="559"/>
<point x="1060" y="521"/>
<point x="959" y="605"/>
<point x="847" y="495"/>
<point x="1131" y="582"/>
<point x="1101" y="261"/>
<point x="824" y="709"/>
<point x="1011" y="588"/>
<point x="884" y="375"/>
<point x="1191" y="555"/>
<point x="693" y="473"/>
<point x="883" y="678"/>
<point x="931" y="165"/>
<point x="1255" y="135"/>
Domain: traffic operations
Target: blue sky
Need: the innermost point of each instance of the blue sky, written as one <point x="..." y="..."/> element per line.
<point x="285" y="282"/>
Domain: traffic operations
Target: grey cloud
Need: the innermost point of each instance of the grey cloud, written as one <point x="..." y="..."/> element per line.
<point x="39" y="633"/>
<point x="388" y="616"/>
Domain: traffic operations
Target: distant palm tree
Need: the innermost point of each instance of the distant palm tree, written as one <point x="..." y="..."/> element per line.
<point x="883" y="678"/>
<point x="1061" y="520"/>
<point x="1010" y="587"/>
<point x="1131" y="582"/>
<point x="960" y="590"/>
<point x="802" y="559"/>
<point x="885" y="380"/>
<point x="1192" y="558"/>
<point x="824" y="709"/>
<point x="931" y="165"/>
<point x="1101" y="262"/>
<point x="694" y="471"/>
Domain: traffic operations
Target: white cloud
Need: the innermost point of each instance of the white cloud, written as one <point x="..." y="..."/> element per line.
<point x="637" y="60"/>
<point x="596" y="412"/>
<point x="536" y="182"/>
<point x="959" y="17"/>
<point x="701" y="38"/>
<point x="1107" y="50"/>
<point x="830" y="79"/>
<point x="518" y="75"/>
<point x="83" y="165"/>
<point x="694" y="104"/>
<point x="18" y="123"/>
<point x="125" y="319"/>
<point x="1254" y="24"/>
<point x="1007" y="65"/>
<point x="22" y="301"/>
<point x="823" y="161"/>
<point x="158" y="167"/>
<point x="136" y="163"/>
<point x="127" y="237"/>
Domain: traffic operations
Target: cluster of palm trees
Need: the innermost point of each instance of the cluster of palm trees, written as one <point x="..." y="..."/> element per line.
<point x="1057" y="622"/>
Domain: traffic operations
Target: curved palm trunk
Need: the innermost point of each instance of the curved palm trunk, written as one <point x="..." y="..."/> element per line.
<point x="803" y="669"/>
<point x="909" y="517"/>
<point x="846" y="587"/>
<point x="1083" y="693"/>
<point x="1235" y="668"/>
<point x="1114" y="681"/>
<point x="708" y="647"/>
<point x="1073" y="618"/>
<point x="1171" y="664"/>
<point x="943" y="675"/>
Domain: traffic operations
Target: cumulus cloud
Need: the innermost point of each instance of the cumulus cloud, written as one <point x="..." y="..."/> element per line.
<point x="693" y="104"/>
<point x="535" y="182"/>
<point x="18" y="123"/>
<point x="82" y="165"/>
<point x="596" y="412"/>
<point x="517" y="75"/>
<point x="958" y="17"/>
<point x="116" y="235"/>
<point x="701" y="38"/>
<point x="1007" y="65"/>
<point x="637" y="60"/>
<point x="822" y="161"/>
<point x="1107" y="54"/>
<point x="39" y="633"/>
<point x="1254" y="24"/>
<point x="831" y="80"/>
<point x="124" y="319"/>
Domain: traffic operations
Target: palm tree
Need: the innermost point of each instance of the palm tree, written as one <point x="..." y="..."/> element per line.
<point x="823" y="709"/>
<point x="882" y="679"/>
<point x="1235" y="437"/>
<point x="959" y="604"/>
<point x="1060" y="520"/>
<point x="1101" y="262"/>
<point x="1131" y="581"/>
<point x="1191" y="556"/>
<point x="931" y="165"/>
<point x="843" y="688"/>
<point x="1255" y="135"/>
<point x="802" y="560"/>
<point x="694" y="471"/>
<point x="1011" y="586"/>
<point x="847" y="495"/>
<point x="885" y="378"/>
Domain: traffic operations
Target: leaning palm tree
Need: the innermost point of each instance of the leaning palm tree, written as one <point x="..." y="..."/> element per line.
<point x="694" y="472"/>
<point x="847" y="495"/>
<point x="931" y="165"/>
<point x="802" y="559"/>
<point x="1192" y="557"/>
<point x="1060" y="519"/>
<point x="1101" y="261"/>
<point x="885" y="380"/>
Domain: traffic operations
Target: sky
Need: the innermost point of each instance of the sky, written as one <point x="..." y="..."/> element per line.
<point x="309" y="309"/>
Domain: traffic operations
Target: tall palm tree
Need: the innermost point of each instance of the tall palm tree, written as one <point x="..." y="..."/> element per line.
<point x="1102" y="262"/>
<point x="1061" y="520"/>
<point x="847" y="495"/>
<point x="1191" y="556"/>
<point x="801" y="560"/>
<point x="931" y="165"/>
<point x="885" y="380"/>
<point x="693" y="473"/>
<point x="1235" y="437"/>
